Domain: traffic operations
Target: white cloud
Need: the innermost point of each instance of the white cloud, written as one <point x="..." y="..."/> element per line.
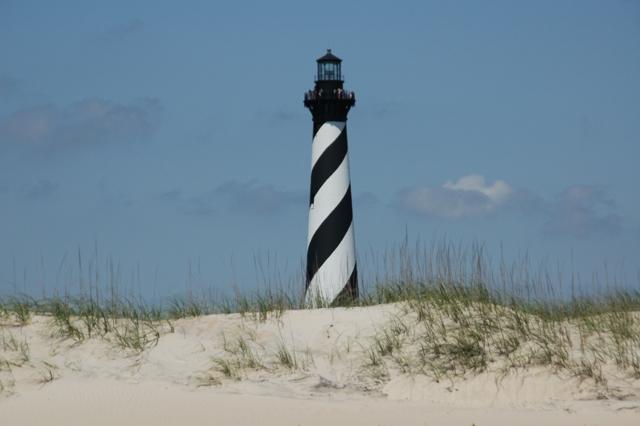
<point x="498" y="192"/>
<point x="470" y="195"/>
<point x="579" y="211"/>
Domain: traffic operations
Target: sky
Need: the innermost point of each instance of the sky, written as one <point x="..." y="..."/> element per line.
<point x="170" y="139"/>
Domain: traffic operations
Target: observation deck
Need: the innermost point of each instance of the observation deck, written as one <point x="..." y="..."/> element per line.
<point x="328" y="101"/>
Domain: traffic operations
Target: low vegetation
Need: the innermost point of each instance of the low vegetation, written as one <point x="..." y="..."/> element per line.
<point x="447" y="331"/>
<point x="455" y="315"/>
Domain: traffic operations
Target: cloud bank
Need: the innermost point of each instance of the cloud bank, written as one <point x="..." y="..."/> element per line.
<point x="579" y="211"/>
<point x="469" y="196"/>
<point x="582" y="211"/>
<point x="254" y="198"/>
<point x="88" y="122"/>
<point x="236" y="197"/>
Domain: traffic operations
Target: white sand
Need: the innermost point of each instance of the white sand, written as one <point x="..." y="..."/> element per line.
<point x="177" y="381"/>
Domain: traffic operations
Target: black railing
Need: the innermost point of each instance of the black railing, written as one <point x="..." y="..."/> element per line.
<point x="313" y="95"/>
<point x="323" y="77"/>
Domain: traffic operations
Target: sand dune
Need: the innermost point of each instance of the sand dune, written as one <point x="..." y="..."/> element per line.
<point x="308" y="367"/>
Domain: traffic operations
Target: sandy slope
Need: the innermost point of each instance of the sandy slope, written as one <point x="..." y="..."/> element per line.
<point x="180" y="380"/>
<point x="97" y="402"/>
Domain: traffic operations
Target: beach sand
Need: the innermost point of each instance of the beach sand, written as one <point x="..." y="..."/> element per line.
<point x="307" y="367"/>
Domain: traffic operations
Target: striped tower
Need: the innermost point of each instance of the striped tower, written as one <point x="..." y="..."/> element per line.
<point x="332" y="276"/>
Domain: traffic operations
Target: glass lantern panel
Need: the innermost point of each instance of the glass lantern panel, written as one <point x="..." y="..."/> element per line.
<point x="329" y="71"/>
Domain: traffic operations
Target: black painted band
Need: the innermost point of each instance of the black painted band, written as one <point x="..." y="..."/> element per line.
<point x="329" y="235"/>
<point x="328" y="163"/>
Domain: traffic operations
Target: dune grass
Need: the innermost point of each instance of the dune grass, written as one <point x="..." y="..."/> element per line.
<point x="448" y="331"/>
<point x="456" y="315"/>
<point x="240" y="355"/>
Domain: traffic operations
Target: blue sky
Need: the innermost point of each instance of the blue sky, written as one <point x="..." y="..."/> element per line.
<point x="163" y="135"/>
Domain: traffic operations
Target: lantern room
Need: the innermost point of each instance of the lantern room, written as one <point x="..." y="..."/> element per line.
<point x="329" y="67"/>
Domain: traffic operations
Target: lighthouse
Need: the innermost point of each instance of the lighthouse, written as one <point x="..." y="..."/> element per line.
<point x="332" y="276"/>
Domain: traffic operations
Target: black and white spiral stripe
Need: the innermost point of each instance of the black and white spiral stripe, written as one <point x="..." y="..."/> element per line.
<point x="331" y="253"/>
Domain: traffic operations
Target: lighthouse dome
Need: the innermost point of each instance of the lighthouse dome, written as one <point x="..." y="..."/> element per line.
<point x="329" y="57"/>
